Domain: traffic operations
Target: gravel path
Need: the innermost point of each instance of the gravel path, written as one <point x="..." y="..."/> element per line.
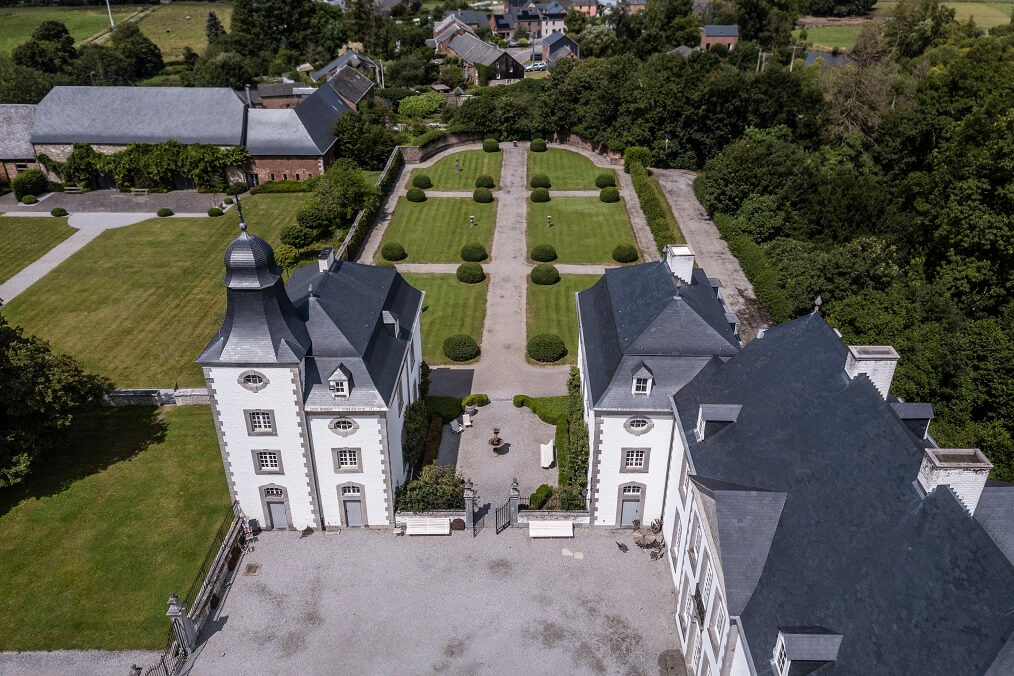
<point x="711" y="251"/>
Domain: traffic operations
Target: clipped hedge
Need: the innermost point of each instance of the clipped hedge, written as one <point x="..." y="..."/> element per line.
<point x="461" y="347"/>
<point x="164" y="212"/>
<point x="482" y="195"/>
<point x="473" y="252"/>
<point x="280" y="186"/>
<point x="540" y="195"/>
<point x="29" y="199"/>
<point x="625" y="253"/>
<point x="636" y="155"/>
<point x="546" y="348"/>
<point x="228" y="200"/>
<point x="448" y="408"/>
<point x="651" y="204"/>
<point x="605" y="180"/>
<point x="543" y="253"/>
<point x="422" y="181"/>
<point x="540" y="497"/>
<point x="470" y="273"/>
<point x="485" y="181"/>
<point x="490" y="145"/>
<point x="415" y="195"/>
<point x="214" y="212"/>
<point x="538" y="145"/>
<point x="759" y="269"/>
<point x="545" y="274"/>
<point x="58" y="211"/>
<point x="476" y="400"/>
<point x="540" y="181"/>
<point x="609" y="195"/>
<point x="393" y="251"/>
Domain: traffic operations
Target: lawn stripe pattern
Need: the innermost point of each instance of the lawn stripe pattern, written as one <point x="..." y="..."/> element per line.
<point x="449" y="307"/>
<point x="435" y="230"/>
<point x="566" y="169"/>
<point x="553" y="309"/>
<point x="474" y="163"/>
<point x="24" y="240"/>
<point x="584" y="229"/>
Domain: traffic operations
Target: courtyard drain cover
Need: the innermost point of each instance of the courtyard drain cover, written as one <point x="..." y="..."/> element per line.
<point x="252" y="569"/>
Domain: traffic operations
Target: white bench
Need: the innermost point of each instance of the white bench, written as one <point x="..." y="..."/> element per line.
<point x="72" y="189"/>
<point x="547" y="453"/>
<point x="551" y="529"/>
<point x="143" y="192"/>
<point x="425" y="525"/>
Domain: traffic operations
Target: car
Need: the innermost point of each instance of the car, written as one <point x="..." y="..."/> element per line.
<point x="529" y="68"/>
<point x="539" y="65"/>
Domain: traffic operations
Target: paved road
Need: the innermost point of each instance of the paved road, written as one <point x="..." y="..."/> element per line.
<point x="711" y="251"/>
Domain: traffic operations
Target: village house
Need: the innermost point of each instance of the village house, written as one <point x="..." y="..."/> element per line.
<point x="556" y="46"/>
<point x="352" y="59"/>
<point x="636" y="6"/>
<point x="719" y="35"/>
<point x="16" y="153"/>
<point x="553" y="15"/>
<point x="500" y="66"/>
<point x="590" y="8"/>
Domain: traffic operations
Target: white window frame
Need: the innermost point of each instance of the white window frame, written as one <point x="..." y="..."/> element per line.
<point x="709" y="579"/>
<point x="344" y="455"/>
<point x="718" y="622"/>
<point x="780" y="658"/>
<point x="339" y="388"/>
<point x="640" y="386"/>
<point x="694" y="543"/>
<point x="632" y="459"/>
<point x="260" y="422"/>
<point x="631" y="490"/>
<point x="269" y="461"/>
<point x="351" y="490"/>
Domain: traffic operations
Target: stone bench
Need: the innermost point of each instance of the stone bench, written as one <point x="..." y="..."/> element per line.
<point x="551" y="529"/>
<point x="425" y="525"/>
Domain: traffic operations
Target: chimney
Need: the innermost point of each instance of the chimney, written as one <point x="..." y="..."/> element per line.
<point x="965" y="470"/>
<point x="680" y="259"/>
<point x="390" y="322"/>
<point x="325" y="259"/>
<point x="249" y="104"/>
<point x="877" y="362"/>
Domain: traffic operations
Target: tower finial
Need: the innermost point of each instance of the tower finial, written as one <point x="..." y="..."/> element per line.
<point x="239" y="210"/>
<point x="817" y="302"/>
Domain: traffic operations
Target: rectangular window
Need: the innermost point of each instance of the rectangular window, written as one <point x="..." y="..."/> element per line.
<point x="285" y="177"/>
<point x="684" y="479"/>
<point x="348" y="460"/>
<point x="697" y="654"/>
<point x="268" y="461"/>
<point x="640" y="386"/>
<point x="717" y="623"/>
<point x="693" y="546"/>
<point x="674" y="550"/>
<point x="339" y="388"/>
<point x="401" y="394"/>
<point x="20" y="167"/>
<point x="683" y="609"/>
<point x="634" y="458"/>
<point x="260" y="422"/>
<point x="709" y="578"/>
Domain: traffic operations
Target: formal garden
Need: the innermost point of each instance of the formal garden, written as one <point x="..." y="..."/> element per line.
<point x="459" y="171"/>
<point x="567" y="169"/>
<point x="580" y="229"/>
<point x="434" y="230"/>
<point x="552" y="309"/>
<point x="450" y="308"/>
<point x="23" y="240"/>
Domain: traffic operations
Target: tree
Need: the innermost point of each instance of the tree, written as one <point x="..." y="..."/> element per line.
<point x="40" y="393"/>
<point x="575" y="22"/>
<point x="271" y="24"/>
<point x="437" y="487"/>
<point x="416" y="430"/>
<point x="21" y="84"/>
<point x="143" y="55"/>
<point x="213" y="27"/>
<point x="50" y="49"/>
<point x="917" y="24"/>
<point x="521" y="32"/>
<point x="365" y="136"/>
<point x="102" y="66"/>
<point x="224" y="70"/>
<point x="597" y="41"/>
<point x="860" y="91"/>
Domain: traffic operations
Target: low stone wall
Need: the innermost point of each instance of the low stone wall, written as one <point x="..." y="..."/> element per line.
<point x="399" y="517"/>
<point x="572" y="139"/>
<point x="579" y="517"/>
<point x="416" y="154"/>
<point x="151" y="397"/>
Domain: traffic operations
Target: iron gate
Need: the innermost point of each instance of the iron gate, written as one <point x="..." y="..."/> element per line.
<point x="503" y="517"/>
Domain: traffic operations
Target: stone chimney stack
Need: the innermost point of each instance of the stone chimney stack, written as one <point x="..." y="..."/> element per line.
<point x="325" y="259"/>
<point x="965" y="470"/>
<point x="249" y="103"/>
<point x="680" y="259"/>
<point x="877" y="362"/>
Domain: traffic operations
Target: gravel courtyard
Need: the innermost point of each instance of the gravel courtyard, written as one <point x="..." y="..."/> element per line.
<point x="368" y="602"/>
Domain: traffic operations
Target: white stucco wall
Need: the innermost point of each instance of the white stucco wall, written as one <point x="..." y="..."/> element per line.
<point x="613" y="440"/>
<point x="366" y="438"/>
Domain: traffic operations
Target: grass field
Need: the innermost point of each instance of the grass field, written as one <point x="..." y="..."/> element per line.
<point x="435" y="230"/>
<point x="474" y="163"/>
<point x="17" y="23"/>
<point x="96" y="539"/>
<point x="449" y="307"/>
<point x="986" y="14"/>
<point x="23" y="240"/>
<point x="169" y="28"/>
<point x="139" y="303"/>
<point x="552" y="309"/>
<point x="584" y="229"/>
<point x="831" y="37"/>
<point x="567" y="170"/>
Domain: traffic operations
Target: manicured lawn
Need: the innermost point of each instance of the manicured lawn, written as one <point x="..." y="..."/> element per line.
<point x="584" y="229"/>
<point x="474" y="163"/>
<point x="181" y="24"/>
<point x="139" y="303"/>
<point x="986" y="14"/>
<point x="552" y="309"/>
<point x="831" y="37"/>
<point x="449" y="307"/>
<point x="23" y="240"/>
<point x="566" y="169"/>
<point x="435" y="230"/>
<point x="17" y="23"/>
<point x="106" y="527"/>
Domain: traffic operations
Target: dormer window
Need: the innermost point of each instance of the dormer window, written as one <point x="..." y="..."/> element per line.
<point x="340" y="381"/>
<point x="642" y="380"/>
<point x="642" y="385"/>
<point x="713" y="417"/>
<point x="340" y="388"/>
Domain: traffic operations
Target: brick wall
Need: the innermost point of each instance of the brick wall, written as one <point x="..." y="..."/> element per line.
<point x="276" y="102"/>
<point x="730" y="42"/>
<point x="282" y="168"/>
<point x="8" y="169"/>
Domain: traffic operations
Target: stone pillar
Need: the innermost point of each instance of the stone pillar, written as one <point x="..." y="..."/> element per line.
<point x="515" y="500"/>
<point x="183" y="626"/>
<point x="469" y="505"/>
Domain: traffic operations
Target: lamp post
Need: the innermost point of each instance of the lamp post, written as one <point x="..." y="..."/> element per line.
<point x="110" y="10"/>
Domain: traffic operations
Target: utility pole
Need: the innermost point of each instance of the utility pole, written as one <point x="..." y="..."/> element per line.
<point x="757" y="69"/>
<point x="793" y="62"/>
<point x="764" y="60"/>
<point x="110" y="10"/>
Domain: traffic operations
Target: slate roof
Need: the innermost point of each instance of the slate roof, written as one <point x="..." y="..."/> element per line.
<point x="713" y="31"/>
<point x="470" y="17"/>
<point x="276" y="89"/>
<point x="350" y="84"/>
<point x="551" y="10"/>
<point x="473" y="50"/>
<point x="120" y="115"/>
<point x="16" y="123"/>
<point x="682" y="50"/>
<point x="911" y="583"/>
<point x="350" y="57"/>
<point x="642" y="313"/>
<point x="995" y="512"/>
<point x="278" y="132"/>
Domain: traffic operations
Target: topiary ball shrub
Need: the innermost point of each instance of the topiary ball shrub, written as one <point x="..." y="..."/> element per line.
<point x="422" y="181"/>
<point x="609" y="195"/>
<point x="546" y="347"/>
<point x="482" y="195"/>
<point x="297" y="236"/>
<point x="416" y="195"/>
<point x="485" y="182"/>
<point x="540" y="195"/>
<point x="29" y="199"/>
<point x="58" y="211"/>
<point x="461" y="347"/>
<point x="237" y="188"/>
<point x="214" y="211"/>
<point x="605" y="180"/>
<point x="543" y="253"/>
<point x="392" y="251"/>
<point x="476" y="400"/>
<point x="545" y="274"/>
<point x="164" y="212"/>
<point x="31" y="182"/>
<point x="470" y="273"/>
<point x="540" y="181"/>
<point x="538" y="145"/>
<point x="473" y="252"/>
<point x="625" y="253"/>
<point x="228" y="200"/>
<point x="490" y="145"/>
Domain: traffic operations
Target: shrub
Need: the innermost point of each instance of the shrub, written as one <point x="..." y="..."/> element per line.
<point x="228" y="200"/>
<point x="473" y="252"/>
<point x="393" y="251"/>
<point x="215" y="211"/>
<point x="470" y="273"/>
<point x="281" y="186"/>
<point x="164" y="212"/>
<point x="448" y="408"/>
<point x="543" y="253"/>
<point x="651" y="204"/>
<point x="422" y="181"/>
<point x="437" y="487"/>
<point x="605" y="180"/>
<point x="297" y="236"/>
<point x="546" y="347"/>
<point x="421" y="105"/>
<point x="237" y="188"/>
<point x="540" y="497"/>
<point x="757" y="266"/>
<point x="482" y="195"/>
<point x="609" y="195"/>
<point x="58" y="211"/>
<point x="538" y="145"/>
<point x="461" y="347"/>
<point x="545" y="274"/>
<point x="31" y="182"/>
<point x="540" y="181"/>
<point x="286" y="256"/>
<point x="540" y="195"/>
<point x="485" y="182"/>
<point x="416" y="195"/>
<point x="29" y="199"/>
<point x="625" y="253"/>
<point x="476" y="400"/>
<point x="490" y="145"/>
<point x="636" y="155"/>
